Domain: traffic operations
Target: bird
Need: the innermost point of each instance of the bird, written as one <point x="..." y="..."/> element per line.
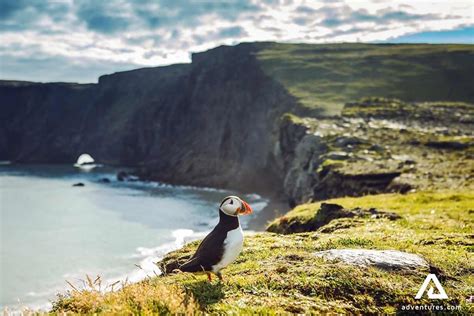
<point x="223" y="244"/>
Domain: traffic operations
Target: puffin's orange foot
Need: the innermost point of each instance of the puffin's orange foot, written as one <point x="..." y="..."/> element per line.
<point x="209" y="277"/>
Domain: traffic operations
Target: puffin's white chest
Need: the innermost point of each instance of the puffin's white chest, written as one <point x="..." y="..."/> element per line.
<point x="233" y="245"/>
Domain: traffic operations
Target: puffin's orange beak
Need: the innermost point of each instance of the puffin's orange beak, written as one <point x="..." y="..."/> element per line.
<point x="246" y="209"/>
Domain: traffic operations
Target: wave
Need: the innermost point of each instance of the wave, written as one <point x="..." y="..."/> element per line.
<point x="157" y="184"/>
<point x="150" y="256"/>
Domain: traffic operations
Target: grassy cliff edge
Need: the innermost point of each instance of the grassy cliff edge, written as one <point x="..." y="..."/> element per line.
<point x="278" y="273"/>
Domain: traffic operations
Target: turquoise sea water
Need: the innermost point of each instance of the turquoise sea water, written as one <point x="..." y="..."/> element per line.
<point x="51" y="232"/>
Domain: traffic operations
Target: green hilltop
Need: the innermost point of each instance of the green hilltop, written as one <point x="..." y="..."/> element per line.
<point x="323" y="77"/>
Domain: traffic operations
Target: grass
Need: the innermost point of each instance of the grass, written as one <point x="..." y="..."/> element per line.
<point x="279" y="274"/>
<point x="146" y="297"/>
<point x="325" y="76"/>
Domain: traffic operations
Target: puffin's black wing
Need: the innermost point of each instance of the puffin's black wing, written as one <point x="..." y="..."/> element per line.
<point x="209" y="252"/>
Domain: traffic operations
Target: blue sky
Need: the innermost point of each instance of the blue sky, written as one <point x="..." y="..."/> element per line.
<point x="78" y="40"/>
<point x="458" y="35"/>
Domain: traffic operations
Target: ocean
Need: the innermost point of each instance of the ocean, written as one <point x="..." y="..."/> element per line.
<point x="52" y="232"/>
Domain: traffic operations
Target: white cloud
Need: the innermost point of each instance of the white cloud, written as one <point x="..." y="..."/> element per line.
<point x="149" y="33"/>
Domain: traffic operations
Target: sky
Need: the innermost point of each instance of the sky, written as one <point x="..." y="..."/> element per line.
<point x="79" y="40"/>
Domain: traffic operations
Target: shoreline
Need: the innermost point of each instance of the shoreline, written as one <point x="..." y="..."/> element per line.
<point x="145" y="257"/>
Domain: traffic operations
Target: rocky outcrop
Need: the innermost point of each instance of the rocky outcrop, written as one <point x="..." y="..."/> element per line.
<point x="368" y="151"/>
<point x="310" y="165"/>
<point x="325" y="215"/>
<point x="300" y="154"/>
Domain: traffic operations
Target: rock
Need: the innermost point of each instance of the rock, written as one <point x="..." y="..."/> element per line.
<point x="104" y="180"/>
<point x="338" y="155"/>
<point x="405" y="159"/>
<point x="79" y="184"/>
<point x="384" y="259"/>
<point x="344" y="141"/>
<point x="300" y="176"/>
<point x="365" y="158"/>
<point x="398" y="185"/>
<point x="377" y="148"/>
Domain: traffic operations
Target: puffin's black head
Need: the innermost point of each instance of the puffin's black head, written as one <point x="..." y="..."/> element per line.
<point x="234" y="206"/>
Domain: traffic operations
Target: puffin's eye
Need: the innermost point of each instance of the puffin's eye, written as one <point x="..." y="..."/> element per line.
<point x="231" y="202"/>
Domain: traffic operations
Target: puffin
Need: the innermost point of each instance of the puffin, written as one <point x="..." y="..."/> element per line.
<point x="223" y="244"/>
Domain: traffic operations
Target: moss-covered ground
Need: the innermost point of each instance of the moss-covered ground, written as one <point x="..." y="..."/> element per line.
<point x="278" y="273"/>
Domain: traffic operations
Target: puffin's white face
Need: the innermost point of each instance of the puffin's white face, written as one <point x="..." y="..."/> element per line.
<point x="233" y="206"/>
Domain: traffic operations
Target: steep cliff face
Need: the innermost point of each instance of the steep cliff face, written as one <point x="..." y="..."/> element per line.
<point x="206" y="123"/>
<point x="220" y="132"/>
<point x="125" y="122"/>
<point x="215" y="122"/>
<point x="42" y="122"/>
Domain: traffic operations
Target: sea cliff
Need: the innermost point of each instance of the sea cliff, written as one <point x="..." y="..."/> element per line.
<point x="217" y="121"/>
